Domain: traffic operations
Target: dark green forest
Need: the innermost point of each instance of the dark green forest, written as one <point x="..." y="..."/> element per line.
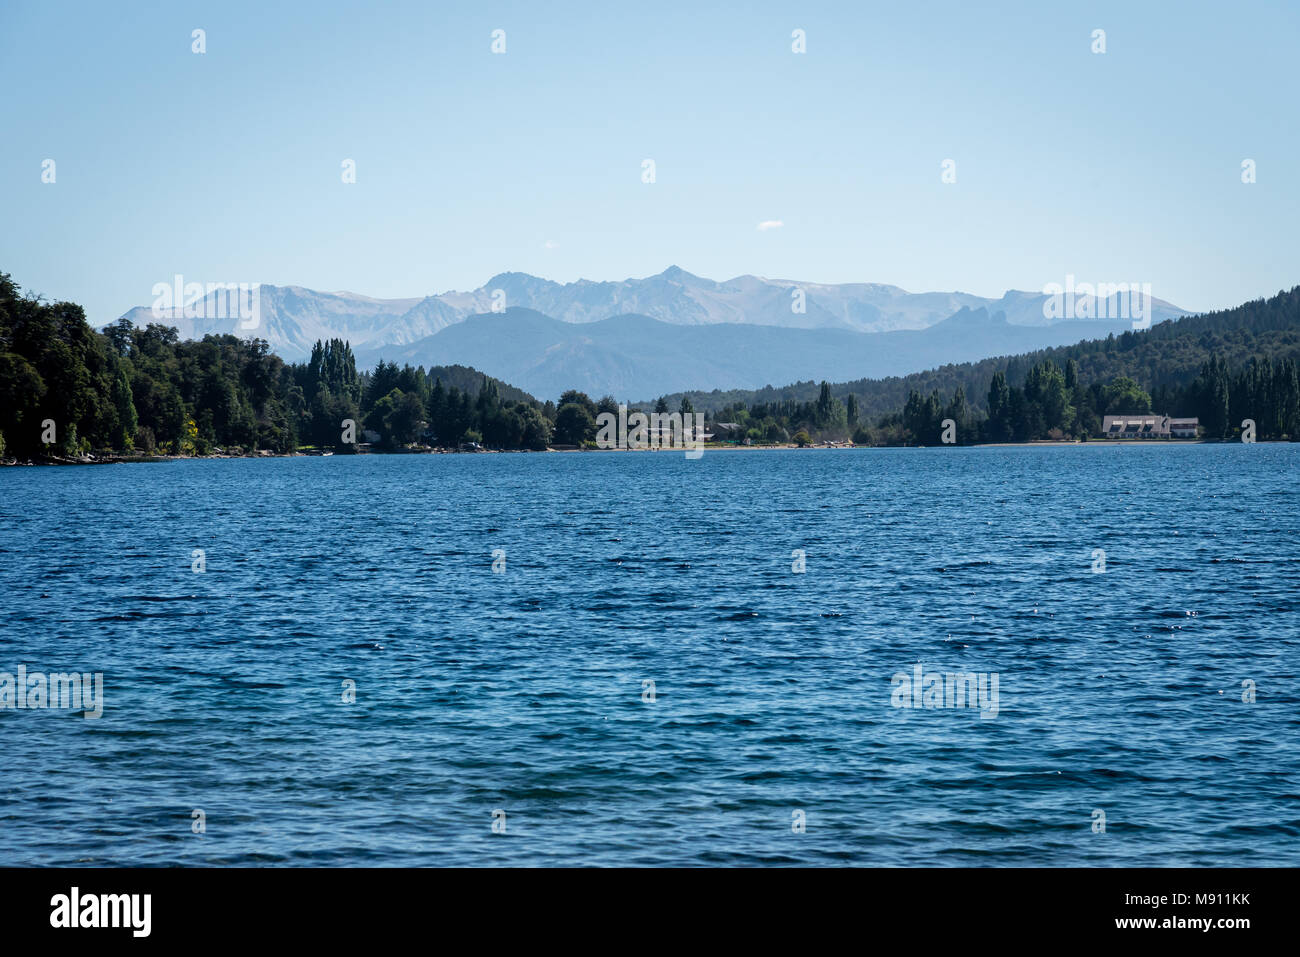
<point x="68" y="390"/>
<point x="1221" y="367"/>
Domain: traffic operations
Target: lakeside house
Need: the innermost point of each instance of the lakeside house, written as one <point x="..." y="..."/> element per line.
<point x="728" y="432"/>
<point x="666" y="437"/>
<point x="1148" y="427"/>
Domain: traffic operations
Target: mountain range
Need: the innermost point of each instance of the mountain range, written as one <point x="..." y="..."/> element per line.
<point x="674" y="331"/>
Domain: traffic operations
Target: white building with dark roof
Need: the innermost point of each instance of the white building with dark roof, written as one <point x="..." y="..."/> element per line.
<point x="1147" y="427"/>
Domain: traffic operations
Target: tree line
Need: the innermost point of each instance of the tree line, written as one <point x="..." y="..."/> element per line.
<point x="1052" y="403"/>
<point x="1221" y="367"/>
<point x="65" y="388"/>
<point x="1169" y="353"/>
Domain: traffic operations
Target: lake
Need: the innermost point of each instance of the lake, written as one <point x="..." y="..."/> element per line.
<point x="644" y="678"/>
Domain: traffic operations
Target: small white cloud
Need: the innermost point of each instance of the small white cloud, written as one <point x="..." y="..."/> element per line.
<point x="767" y="224"/>
<point x="550" y="244"/>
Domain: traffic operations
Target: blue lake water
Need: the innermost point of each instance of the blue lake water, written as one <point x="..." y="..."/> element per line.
<point x="524" y="691"/>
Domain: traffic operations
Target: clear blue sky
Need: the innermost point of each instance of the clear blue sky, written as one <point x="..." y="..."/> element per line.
<point x="225" y="167"/>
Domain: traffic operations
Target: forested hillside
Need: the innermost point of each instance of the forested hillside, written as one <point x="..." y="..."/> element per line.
<point x="65" y="388"/>
<point x="1221" y="367"/>
<point x="1169" y="353"/>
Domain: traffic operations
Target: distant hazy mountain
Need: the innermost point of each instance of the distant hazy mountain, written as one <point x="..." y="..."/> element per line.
<point x="680" y="298"/>
<point x="636" y="357"/>
<point x="293" y="318"/>
<point x="759" y="333"/>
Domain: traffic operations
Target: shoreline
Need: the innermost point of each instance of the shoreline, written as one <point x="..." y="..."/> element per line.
<point x="1037" y="443"/>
